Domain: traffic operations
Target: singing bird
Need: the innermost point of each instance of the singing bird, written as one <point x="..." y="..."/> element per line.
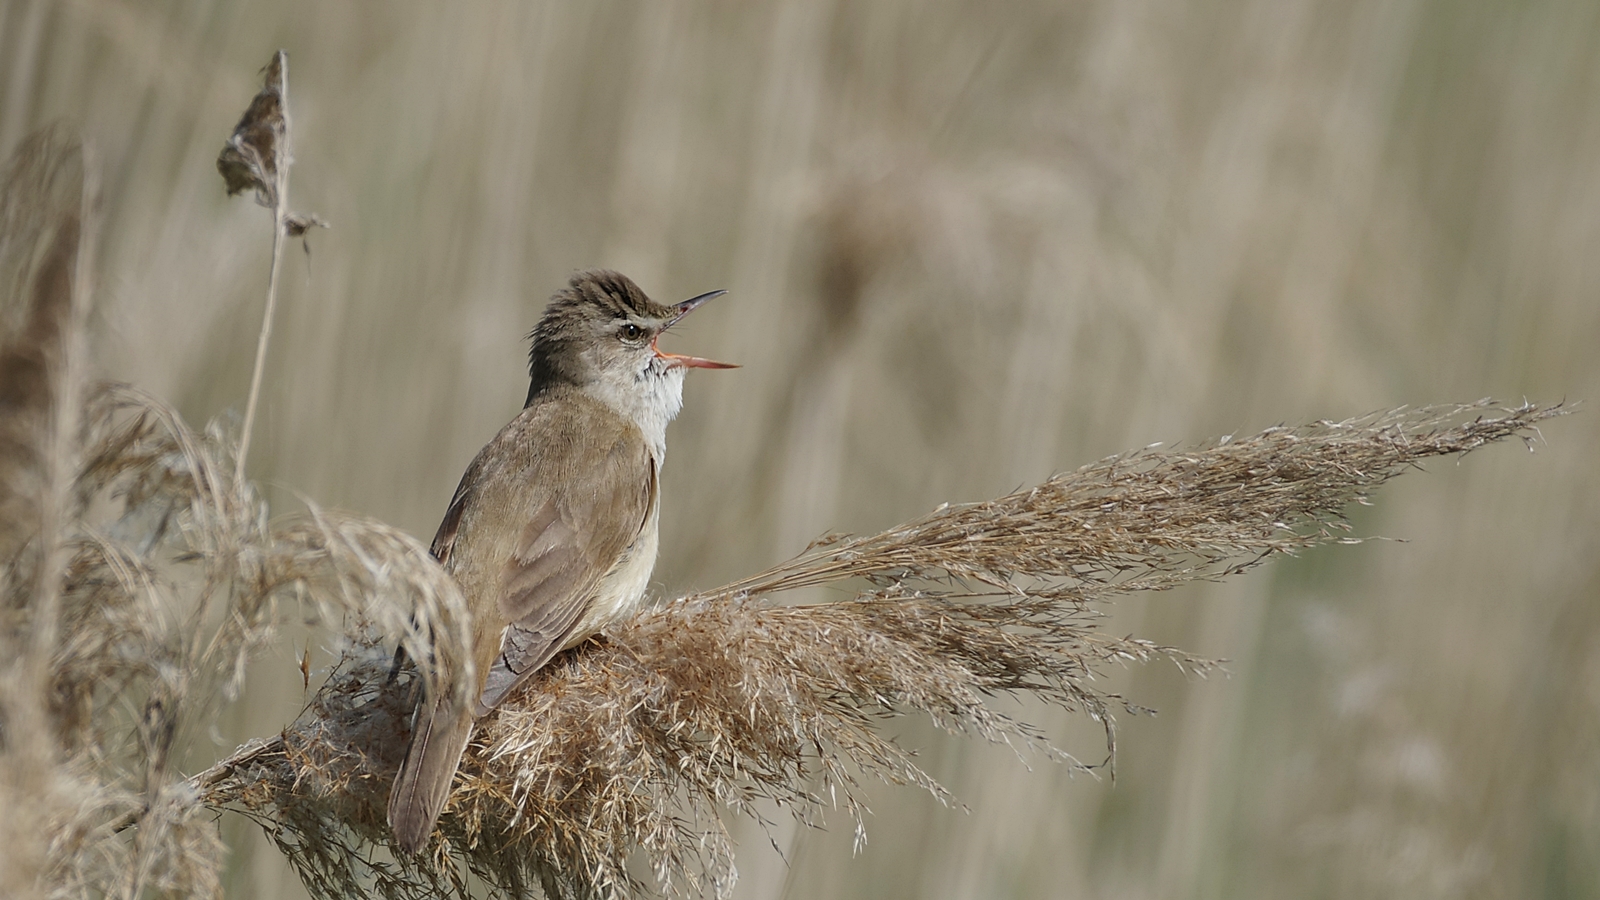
<point x="552" y="533"/>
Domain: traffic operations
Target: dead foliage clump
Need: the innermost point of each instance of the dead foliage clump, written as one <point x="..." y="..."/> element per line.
<point x="136" y="578"/>
<point x="257" y="152"/>
<point x="172" y="576"/>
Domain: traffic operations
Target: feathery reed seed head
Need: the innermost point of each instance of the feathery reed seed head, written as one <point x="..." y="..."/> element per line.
<point x="638" y="741"/>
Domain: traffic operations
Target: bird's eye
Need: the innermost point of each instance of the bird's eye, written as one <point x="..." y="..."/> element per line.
<point x="631" y="332"/>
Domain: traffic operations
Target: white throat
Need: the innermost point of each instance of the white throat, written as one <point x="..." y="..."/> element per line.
<point x="649" y="399"/>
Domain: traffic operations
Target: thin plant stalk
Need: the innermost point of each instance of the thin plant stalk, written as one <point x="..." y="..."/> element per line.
<point x="62" y="460"/>
<point x="280" y="214"/>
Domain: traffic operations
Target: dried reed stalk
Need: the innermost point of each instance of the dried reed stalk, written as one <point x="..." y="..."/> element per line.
<point x="257" y="156"/>
<point x="636" y="742"/>
<point x="47" y="199"/>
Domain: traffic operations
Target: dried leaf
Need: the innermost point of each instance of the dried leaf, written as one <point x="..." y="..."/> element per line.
<point x="255" y="153"/>
<point x="296" y="224"/>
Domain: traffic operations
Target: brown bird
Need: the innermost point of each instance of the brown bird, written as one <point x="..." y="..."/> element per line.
<point x="552" y="532"/>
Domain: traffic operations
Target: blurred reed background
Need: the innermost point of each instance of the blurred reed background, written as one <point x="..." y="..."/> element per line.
<point x="967" y="246"/>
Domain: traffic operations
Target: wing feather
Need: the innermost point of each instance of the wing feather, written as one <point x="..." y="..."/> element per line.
<point x="593" y="509"/>
<point x="444" y="540"/>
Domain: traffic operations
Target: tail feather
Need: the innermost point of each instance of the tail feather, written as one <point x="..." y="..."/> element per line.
<point x="423" y="782"/>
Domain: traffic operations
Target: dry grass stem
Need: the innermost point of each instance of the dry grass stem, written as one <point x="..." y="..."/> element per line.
<point x="257" y="156"/>
<point x="46" y="202"/>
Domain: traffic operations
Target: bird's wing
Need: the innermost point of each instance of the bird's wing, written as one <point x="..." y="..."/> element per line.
<point x="444" y="540"/>
<point x="587" y="517"/>
<point x="440" y="728"/>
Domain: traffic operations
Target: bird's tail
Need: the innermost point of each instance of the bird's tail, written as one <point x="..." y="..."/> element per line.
<point x="438" y="739"/>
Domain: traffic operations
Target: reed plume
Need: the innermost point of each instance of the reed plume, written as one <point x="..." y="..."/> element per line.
<point x="720" y="699"/>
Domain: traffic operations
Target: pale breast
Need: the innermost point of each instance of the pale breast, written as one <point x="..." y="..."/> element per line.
<point x="622" y="589"/>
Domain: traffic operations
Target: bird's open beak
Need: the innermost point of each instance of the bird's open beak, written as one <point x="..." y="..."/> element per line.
<point x="691" y="362"/>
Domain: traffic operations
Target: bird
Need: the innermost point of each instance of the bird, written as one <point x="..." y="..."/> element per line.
<point x="553" y="531"/>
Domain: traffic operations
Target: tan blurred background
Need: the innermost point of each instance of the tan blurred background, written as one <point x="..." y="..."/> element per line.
<point x="967" y="244"/>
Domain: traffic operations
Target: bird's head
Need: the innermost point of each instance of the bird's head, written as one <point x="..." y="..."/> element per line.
<point x="599" y="334"/>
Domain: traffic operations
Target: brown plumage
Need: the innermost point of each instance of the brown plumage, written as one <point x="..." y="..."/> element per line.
<point x="552" y="532"/>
